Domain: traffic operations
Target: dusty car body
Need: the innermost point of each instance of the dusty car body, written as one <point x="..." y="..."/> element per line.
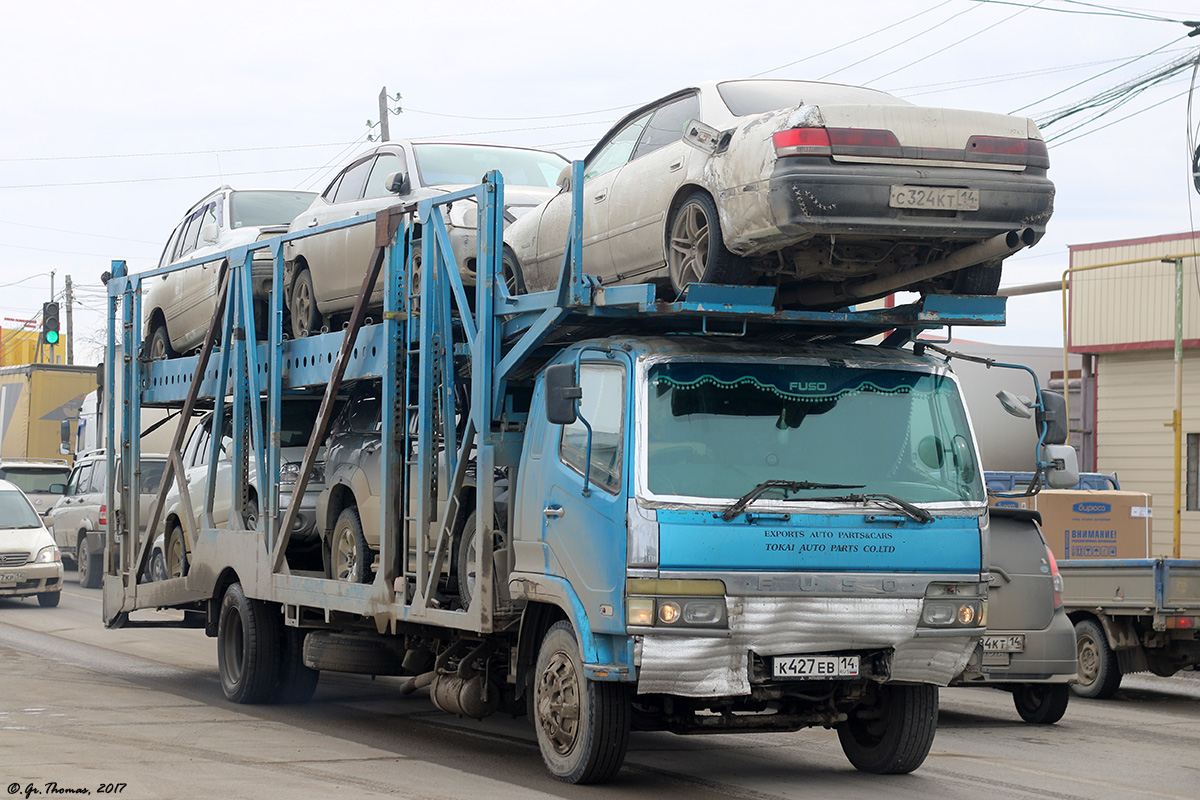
<point x="833" y="193"/>
<point x="1029" y="648"/>
<point x="80" y="516"/>
<point x="30" y="562"/>
<point x="297" y="421"/>
<point x="179" y="305"/>
<point x="324" y="272"/>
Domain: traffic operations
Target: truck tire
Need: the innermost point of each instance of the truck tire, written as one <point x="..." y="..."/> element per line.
<point x="349" y="555"/>
<point x="297" y="681"/>
<point x="159" y="347"/>
<point x="1041" y="703"/>
<point x="893" y="735"/>
<point x="1099" y="672"/>
<point x="582" y="726"/>
<point x="91" y="570"/>
<point x="49" y="599"/>
<point x="347" y="652"/>
<point x="248" y="647"/>
<point x="696" y="251"/>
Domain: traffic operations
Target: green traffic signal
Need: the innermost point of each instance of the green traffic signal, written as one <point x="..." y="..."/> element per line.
<point x="51" y="337"/>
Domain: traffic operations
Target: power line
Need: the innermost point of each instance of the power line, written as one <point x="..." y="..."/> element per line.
<point x="75" y="233"/>
<point x="162" y="155"/>
<point x="1108" y="11"/>
<point x="152" y="180"/>
<point x="904" y="42"/>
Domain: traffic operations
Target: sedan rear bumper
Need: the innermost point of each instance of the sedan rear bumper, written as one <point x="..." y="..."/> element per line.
<point x="808" y="198"/>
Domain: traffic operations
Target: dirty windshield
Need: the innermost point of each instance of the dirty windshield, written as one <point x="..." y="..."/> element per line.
<point x="717" y="430"/>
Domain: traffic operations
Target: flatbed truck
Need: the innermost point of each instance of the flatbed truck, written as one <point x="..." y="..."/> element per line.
<point x="721" y="516"/>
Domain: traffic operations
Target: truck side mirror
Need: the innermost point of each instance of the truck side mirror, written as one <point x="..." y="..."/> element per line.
<point x="1061" y="466"/>
<point x="1054" y="416"/>
<point x="64" y="433"/>
<point x="397" y="183"/>
<point x="562" y="394"/>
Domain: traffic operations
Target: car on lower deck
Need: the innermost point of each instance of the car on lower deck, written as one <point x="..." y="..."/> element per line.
<point x="30" y="562"/>
<point x="298" y="416"/>
<point x="1029" y="648"/>
<point x="324" y="272"/>
<point x="179" y="305"/>
<point x="833" y="193"/>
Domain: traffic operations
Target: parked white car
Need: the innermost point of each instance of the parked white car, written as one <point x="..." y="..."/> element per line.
<point x="810" y="187"/>
<point x="179" y="306"/>
<point x="30" y="562"/>
<point x="324" y="273"/>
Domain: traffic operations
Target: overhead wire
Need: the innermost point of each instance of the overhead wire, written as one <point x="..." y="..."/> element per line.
<point x="967" y="10"/>
<point x="1109" y="11"/>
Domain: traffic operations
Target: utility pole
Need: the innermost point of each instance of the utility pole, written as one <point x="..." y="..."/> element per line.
<point x="384" y="135"/>
<point x="68" y="299"/>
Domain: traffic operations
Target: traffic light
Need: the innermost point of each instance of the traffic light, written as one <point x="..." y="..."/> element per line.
<point x="50" y="323"/>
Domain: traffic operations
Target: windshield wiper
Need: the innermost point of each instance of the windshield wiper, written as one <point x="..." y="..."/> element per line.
<point x="787" y="486"/>
<point x="914" y="512"/>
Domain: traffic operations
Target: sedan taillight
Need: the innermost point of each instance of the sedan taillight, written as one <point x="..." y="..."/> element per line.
<point x="1003" y="150"/>
<point x="840" y="141"/>
<point x="1058" y="581"/>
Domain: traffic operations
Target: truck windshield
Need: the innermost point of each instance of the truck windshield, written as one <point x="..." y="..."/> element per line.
<point x="717" y="430"/>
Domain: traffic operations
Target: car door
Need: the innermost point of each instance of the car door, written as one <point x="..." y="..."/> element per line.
<point x="67" y="511"/>
<point x="360" y="240"/>
<point x="600" y="169"/>
<point x="197" y="285"/>
<point x="643" y="189"/>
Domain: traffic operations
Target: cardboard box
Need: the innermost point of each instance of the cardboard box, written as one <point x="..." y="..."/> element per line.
<point x="1080" y="525"/>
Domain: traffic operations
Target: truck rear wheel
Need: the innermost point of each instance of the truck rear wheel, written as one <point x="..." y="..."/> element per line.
<point x="582" y="726"/>
<point x="892" y="735"/>
<point x="248" y="652"/>
<point x="1041" y="703"/>
<point x="1099" y="672"/>
<point x="88" y="564"/>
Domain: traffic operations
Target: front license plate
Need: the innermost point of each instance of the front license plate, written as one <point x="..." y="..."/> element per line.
<point x="935" y="198"/>
<point x="12" y="577"/>
<point x="815" y="667"/>
<point x="1004" y="644"/>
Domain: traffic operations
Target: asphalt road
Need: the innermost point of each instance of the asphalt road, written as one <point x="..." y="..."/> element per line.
<point x="138" y="713"/>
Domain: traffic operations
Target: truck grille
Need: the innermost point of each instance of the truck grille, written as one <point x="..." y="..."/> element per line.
<point x="14" y="559"/>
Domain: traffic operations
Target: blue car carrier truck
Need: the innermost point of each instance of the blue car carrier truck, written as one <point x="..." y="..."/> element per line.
<point x="700" y="516"/>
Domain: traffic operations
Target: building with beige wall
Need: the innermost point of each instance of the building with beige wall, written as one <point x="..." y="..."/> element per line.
<point x="1121" y="313"/>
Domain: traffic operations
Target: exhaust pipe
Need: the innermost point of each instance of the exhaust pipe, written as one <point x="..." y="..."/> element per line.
<point x="998" y="246"/>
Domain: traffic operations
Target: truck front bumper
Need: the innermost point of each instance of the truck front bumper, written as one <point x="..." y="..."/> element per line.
<point x="717" y="663"/>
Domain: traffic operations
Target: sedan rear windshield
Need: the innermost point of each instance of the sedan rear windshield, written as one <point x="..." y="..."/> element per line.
<point x="744" y="98"/>
<point x="34" y="479"/>
<point x="466" y="164"/>
<point x="15" y="511"/>
<point x="255" y="209"/>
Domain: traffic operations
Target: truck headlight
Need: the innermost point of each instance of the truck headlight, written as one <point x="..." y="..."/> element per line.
<point x="954" y="606"/>
<point x="676" y="603"/>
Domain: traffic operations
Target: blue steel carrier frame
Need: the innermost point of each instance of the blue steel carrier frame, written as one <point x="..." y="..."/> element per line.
<point x="413" y="350"/>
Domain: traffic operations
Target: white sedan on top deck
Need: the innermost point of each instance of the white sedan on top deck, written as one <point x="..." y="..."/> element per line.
<point x="832" y="193"/>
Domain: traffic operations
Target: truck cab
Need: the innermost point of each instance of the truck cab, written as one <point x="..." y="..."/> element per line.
<point x="721" y="517"/>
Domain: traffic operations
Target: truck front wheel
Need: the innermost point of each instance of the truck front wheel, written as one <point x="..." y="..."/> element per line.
<point x="248" y="653"/>
<point x="893" y="734"/>
<point x="582" y="726"/>
<point x="1099" y="672"/>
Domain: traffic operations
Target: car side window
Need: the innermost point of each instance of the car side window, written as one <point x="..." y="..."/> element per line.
<point x="615" y="153"/>
<point x="191" y="237"/>
<point x="99" y="484"/>
<point x="169" y="251"/>
<point x="85" y="479"/>
<point x="352" y="182"/>
<point x="73" y="481"/>
<point x="603" y="406"/>
<point x="385" y="165"/>
<point x="666" y="126"/>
